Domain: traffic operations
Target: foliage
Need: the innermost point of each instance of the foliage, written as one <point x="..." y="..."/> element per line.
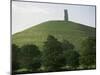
<point x="30" y="57"/>
<point x="53" y="58"/>
<point x="55" y="55"/>
<point x="15" y="57"/>
<point x="88" y="53"/>
<point x="66" y="45"/>
<point x="72" y="56"/>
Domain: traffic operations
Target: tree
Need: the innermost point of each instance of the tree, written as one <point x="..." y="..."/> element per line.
<point x="72" y="56"/>
<point x="53" y="58"/>
<point x="72" y="59"/>
<point x="88" y="53"/>
<point x="66" y="45"/>
<point x="15" y="57"/>
<point x="30" y="57"/>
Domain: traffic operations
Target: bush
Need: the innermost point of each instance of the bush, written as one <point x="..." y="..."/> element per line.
<point x="30" y="57"/>
<point x="15" y="57"/>
<point x="72" y="56"/>
<point x="53" y="58"/>
<point x="66" y="45"/>
<point x="88" y="53"/>
<point x="72" y="59"/>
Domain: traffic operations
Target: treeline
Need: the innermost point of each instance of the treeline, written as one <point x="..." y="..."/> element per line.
<point x="55" y="56"/>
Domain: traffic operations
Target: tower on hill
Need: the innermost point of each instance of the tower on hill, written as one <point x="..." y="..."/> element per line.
<point x="65" y="15"/>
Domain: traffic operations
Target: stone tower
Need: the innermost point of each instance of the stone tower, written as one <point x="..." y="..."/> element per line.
<point x="65" y="15"/>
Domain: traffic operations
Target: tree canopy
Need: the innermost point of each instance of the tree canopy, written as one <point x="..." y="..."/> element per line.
<point x="30" y="57"/>
<point x="53" y="57"/>
<point x="88" y="53"/>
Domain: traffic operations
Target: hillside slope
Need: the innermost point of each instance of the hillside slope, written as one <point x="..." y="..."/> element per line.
<point x="71" y="31"/>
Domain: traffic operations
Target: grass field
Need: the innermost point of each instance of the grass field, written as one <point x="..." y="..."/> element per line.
<point x="70" y="31"/>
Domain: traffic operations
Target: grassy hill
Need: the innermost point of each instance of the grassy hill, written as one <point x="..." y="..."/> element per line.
<point x="71" y="31"/>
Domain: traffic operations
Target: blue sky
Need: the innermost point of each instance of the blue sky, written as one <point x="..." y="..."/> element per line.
<point x="27" y="14"/>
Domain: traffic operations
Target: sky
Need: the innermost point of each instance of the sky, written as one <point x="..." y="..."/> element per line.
<point x="28" y="14"/>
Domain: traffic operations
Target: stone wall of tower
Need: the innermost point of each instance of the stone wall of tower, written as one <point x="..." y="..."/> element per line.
<point x="65" y="15"/>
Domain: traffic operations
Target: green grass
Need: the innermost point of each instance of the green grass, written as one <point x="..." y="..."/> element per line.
<point x="71" y="31"/>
